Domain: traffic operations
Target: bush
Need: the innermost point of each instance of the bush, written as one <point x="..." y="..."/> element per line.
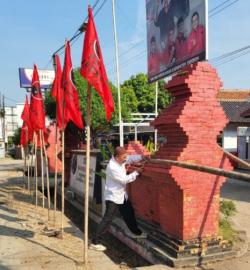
<point x="227" y="209"/>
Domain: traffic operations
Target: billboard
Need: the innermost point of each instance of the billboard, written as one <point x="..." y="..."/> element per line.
<point x="46" y="77"/>
<point x="176" y="35"/>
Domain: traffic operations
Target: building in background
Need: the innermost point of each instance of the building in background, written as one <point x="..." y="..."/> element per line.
<point x="236" y="104"/>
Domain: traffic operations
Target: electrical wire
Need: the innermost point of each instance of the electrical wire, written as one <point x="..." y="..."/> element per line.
<point x="79" y="32"/>
<point x="220" y="5"/>
<point x="222" y="9"/>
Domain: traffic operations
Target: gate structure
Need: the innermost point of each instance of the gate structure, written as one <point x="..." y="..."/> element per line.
<point x="181" y="203"/>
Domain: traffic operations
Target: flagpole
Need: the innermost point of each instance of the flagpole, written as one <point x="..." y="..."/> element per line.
<point x="36" y="164"/>
<point x="27" y="153"/>
<point x="118" y="75"/>
<point x="56" y="150"/>
<point x="32" y="161"/>
<point x="86" y="208"/>
<point x="156" y="111"/>
<point x="24" y="161"/>
<point x="42" y="173"/>
<point x="56" y="164"/>
<point x="63" y="157"/>
<point x="28" y="167"/>
<point x="47" y="175"/>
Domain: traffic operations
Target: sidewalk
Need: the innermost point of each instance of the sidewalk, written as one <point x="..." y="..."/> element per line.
<point x="22" y="244"/>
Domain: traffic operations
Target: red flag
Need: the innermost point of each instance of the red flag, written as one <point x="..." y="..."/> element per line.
<point x="57" y="91"/>
<point x="26" y="119"/>
<point x="24" y="137"/>
<point x="26" y="112"/>
<point x="92" y="67"/>
<point x="71" y="108"/>
<point x="37" y="114"/>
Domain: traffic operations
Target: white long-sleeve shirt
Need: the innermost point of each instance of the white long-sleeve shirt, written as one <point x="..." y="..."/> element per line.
<point x="116" y="180"/>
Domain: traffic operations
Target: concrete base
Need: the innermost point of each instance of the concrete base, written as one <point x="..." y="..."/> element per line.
<point x="159" y="248"/>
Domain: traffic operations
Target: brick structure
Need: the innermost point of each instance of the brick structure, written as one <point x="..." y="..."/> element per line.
<point x="51" y="149"/>
<point x="136" y="148"/>
<point x="183" y="202"/>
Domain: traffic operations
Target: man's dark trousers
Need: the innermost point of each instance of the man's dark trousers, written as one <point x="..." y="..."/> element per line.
<point x="127" y="212"/>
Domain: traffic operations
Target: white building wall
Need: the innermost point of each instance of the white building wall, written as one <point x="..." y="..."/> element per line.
<point x="229" y="139"/>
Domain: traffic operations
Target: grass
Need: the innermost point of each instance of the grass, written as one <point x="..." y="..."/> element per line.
<point x="227" y="210"/>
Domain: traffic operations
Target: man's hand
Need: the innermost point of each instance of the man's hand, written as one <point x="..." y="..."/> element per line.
<point x="139" y="170"/>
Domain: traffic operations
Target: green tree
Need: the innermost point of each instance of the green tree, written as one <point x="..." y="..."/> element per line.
<point x="16" y="137"/>
<point x="145" y="93"/>
<point x="98" y="116"/>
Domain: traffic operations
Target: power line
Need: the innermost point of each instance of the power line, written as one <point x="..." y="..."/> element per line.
<point x="78" y="32"/>
<point x="213" y="9"/>
<point x="80" y="29"/>
<point x="222" y="9"/>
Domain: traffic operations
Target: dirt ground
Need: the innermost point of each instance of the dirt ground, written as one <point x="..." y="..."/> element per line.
<point x="23" y="245"/>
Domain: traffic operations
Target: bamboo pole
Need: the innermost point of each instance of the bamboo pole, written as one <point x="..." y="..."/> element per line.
<point x="86" y="205"/>
<point x="47" y="175"/>
<point x="63" y="175"/>
<point x="28" y="169"/>
<point x="42" y="173"/>
<point x="56" y="170"/>
<point x="63" y="158"/>
<point x="237" y="159"/>
<point x="201" y="168"/>
<point x="25" y="161"/>
<point x="36" y="166"/>
<point x="32" y="161"/>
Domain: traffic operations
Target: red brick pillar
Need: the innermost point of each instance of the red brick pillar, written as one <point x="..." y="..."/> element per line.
<point x="183" y="202"/>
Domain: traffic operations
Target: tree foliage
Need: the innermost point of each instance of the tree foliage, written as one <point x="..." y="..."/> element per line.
<point x="136" y="96"/>
<point x="145" y="93"/>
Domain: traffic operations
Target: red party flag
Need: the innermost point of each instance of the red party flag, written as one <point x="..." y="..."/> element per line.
<point x="37" y="114"/>
<point x="26" y="118"/>
<point x="57" y="91"/>
<point x="71" y="107"/>
<point x="24" y="136"/>
<point x="92" y="66"/>
<point x="26" y="112"/>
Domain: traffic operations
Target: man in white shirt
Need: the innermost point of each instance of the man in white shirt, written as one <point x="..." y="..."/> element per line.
<point x="117" y="199"/>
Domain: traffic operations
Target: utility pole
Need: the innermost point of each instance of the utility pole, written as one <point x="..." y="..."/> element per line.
<point x="4" y="124"/>
<point x="156" y="111"/>
<point x="117" y="75"/>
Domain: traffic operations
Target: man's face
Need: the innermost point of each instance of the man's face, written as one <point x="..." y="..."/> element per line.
<point x="165" y="4"/>
<point x="153" y="47"/>
<point x="180" y="29"/>
<point x="195" y="22"/>
<point x="121" y="158"/>
<point x="171" y="36"/>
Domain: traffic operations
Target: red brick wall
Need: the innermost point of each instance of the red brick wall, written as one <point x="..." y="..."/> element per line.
<point x="184" y="202"/>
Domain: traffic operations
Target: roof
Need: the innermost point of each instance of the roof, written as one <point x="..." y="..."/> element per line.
<point x="233" y="95"/>
<point x="235" y="110"/>
<point x="236" y="104"/>
<point x="246" y="114"/>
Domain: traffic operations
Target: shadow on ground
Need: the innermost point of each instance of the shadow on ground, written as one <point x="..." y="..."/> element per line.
<point x="236" y="190"/>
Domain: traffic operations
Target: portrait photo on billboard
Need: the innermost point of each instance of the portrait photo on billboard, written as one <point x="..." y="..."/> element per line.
<point x="176" y="35"/>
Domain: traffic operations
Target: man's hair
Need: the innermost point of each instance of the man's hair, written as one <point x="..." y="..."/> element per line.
<point x="152" y="39"/>
<point x="195" y="14"/>
<point x="119" y="151"/>
<point x="180" y="20"/>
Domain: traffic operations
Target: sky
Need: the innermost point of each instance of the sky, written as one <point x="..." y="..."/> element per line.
<point x="31" y="31"/>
